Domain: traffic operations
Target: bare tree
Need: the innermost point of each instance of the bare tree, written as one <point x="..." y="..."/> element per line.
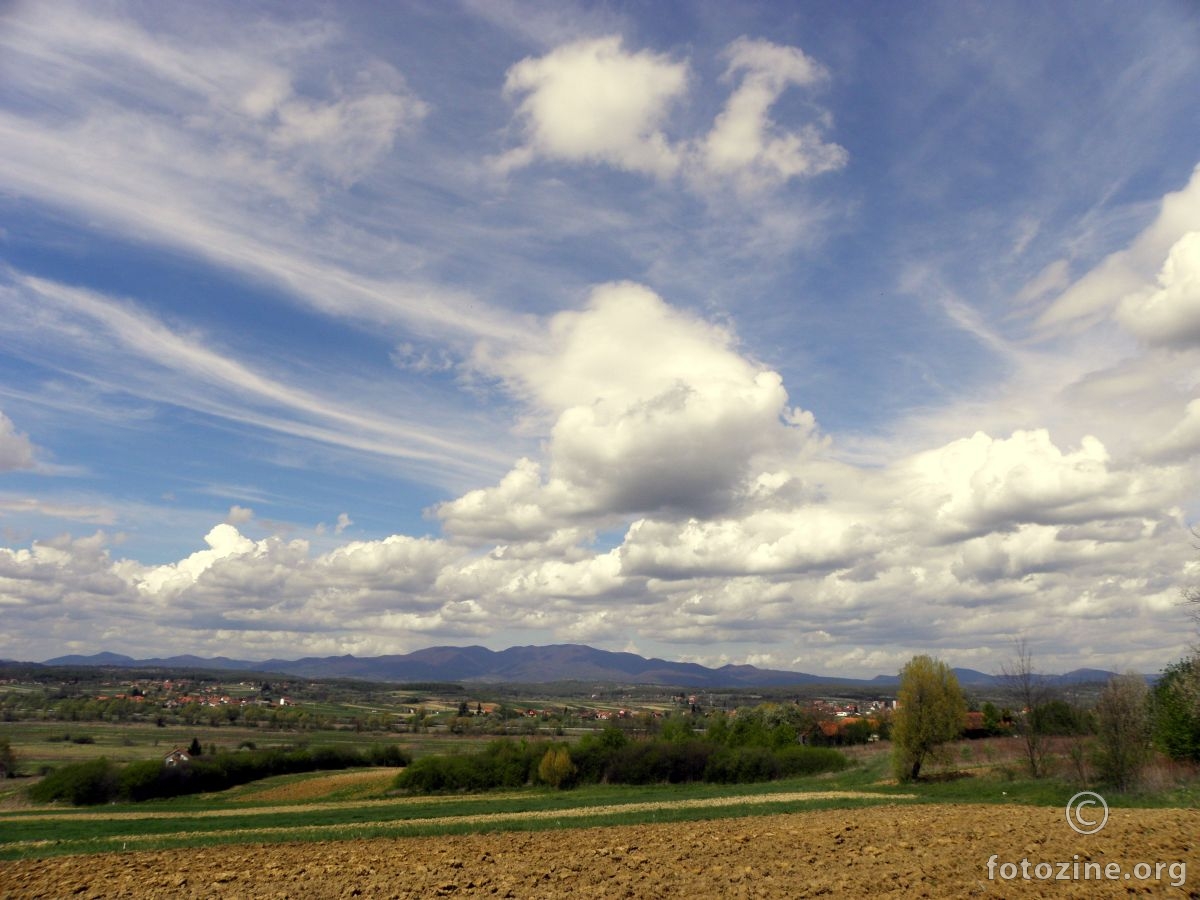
<point x="1123" y="727"/>
<point x="1027" y="690"/>
<point x="1191" y="593"/>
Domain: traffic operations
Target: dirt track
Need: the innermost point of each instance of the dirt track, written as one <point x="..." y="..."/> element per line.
<point x="910" y="851"/>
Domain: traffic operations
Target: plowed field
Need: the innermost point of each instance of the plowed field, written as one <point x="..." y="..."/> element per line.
<point x="905" y="851"/>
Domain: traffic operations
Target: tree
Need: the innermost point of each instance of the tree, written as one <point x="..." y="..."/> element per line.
<point x="1029" y="691"/>
<point x="556" y="767"/>
<point x="931" y="712"/>
<point x="1175" y="710"/>
<point x="1123" y="730"/>
<point x="8" y="759"/>
<point x="991" y="718"/>
<point x="1191" y="593"/>
<point x="1058" y="717"/>
<point x="194" y="748"/>
<point x="677" y="730"/>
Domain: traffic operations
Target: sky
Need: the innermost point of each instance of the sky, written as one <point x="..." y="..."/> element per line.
<point x="811" y="336"/>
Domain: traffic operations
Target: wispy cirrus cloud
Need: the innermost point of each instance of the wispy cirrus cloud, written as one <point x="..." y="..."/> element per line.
<point x="231" y="151"/>
<point x="74" y="512"/>
<point x="182" y="370"/>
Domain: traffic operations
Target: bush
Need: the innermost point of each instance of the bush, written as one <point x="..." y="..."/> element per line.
<point x="1057" y="717"/>
<point x="387" y="755"/>
<point x="795" y="761"/>
<point x="743" y="765"/>
<point x="654" y="762"/>
<point x="82" y="784"/>
<point x="140" y="780"/>
<point x="8" y="759"/>
<point x="610" y="757"/>
<point x="503" y="763"/>
<point x="739" y="765"/>
<point x="100" y="781"/>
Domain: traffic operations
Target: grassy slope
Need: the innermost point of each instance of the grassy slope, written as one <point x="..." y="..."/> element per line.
<point x="363" y="810"/>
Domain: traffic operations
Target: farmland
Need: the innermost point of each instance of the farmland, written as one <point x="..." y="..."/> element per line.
<point x="331" y="833"/>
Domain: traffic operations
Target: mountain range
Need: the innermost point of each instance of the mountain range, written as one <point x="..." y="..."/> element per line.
<point x="532" y="665"/>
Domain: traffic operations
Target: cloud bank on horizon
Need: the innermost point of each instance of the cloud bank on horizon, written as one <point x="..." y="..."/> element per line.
<point x="764" y="335"/>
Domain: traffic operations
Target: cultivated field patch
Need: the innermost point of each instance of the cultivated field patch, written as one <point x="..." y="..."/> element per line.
<point x="903" y="850"/>
<point x="340" y="785"/>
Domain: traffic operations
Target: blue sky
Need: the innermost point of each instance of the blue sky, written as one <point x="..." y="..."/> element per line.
<point x="772" y="333"/>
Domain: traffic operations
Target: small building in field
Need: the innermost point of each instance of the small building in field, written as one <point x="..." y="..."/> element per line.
<point x="177" y="757"/>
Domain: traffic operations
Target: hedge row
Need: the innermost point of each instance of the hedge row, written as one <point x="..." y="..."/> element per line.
<point x="613" y="759"/>
<point x="103" y="781"/>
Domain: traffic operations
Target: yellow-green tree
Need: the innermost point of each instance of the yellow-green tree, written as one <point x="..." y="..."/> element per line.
<point x="556" y="767"/>
<point x="931" y="711"/>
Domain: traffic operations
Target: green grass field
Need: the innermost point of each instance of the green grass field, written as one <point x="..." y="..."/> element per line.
<point x="222" y="818"/>
<point x="360" y="804"/>
<point x="41" y="744"/>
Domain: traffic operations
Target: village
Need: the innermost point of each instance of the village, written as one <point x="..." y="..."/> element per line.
<point x="209" y="699"/>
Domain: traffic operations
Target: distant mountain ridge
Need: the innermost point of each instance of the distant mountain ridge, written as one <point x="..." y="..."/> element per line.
<point x="533" y="665"/>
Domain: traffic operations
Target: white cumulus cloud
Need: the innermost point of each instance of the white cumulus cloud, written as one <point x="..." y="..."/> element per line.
<point x="744" y="141"/>
<point x="979" y="484"/>
<point x="768" y="542"/>
<point x="1169" y="313"/>
<point x="239" y="515"/>
<point x="653" y="409"/>
<point x="16" y="452"/>
<point x="594" y="101"/>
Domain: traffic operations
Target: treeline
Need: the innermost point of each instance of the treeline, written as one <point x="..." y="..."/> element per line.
<point x="16" y="707"/>
<point x="612" y="757"/>
<point x="1130" y="726"/>
<point x="103" y="781"/>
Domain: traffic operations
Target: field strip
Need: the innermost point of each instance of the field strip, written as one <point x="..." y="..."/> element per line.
<point x="577" y="812"/>
<point x="76" y="812"/>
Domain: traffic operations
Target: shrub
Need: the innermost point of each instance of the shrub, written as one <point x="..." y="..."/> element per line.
<point x="100" y="781"/>
<point x="141" y="780"/>
<point x="1057" y="717"/>
<point x="732" y="765"/>
<point x="795" y="761"/>
<point x="654" y="762"/>
<point x="503" y="763"/>
<point x="8" y="759"/>
<point x="611" y="757"/>
<point x="83" y="784"/>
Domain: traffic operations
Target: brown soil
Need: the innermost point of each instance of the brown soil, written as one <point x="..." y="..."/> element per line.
<point x="907" y="851"/>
